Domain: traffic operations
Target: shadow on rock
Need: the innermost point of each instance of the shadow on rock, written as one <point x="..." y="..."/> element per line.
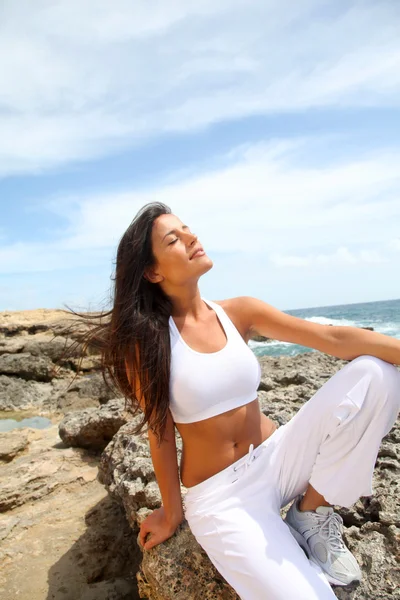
<point x="105" y="559"/>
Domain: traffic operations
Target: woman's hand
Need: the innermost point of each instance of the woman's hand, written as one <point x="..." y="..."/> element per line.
<point x="159" y="527"/>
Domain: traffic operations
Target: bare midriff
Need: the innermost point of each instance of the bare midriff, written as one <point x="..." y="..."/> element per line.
<point x="211" y="445"/>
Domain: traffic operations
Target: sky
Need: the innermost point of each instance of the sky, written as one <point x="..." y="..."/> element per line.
<point x="271" y="128"/>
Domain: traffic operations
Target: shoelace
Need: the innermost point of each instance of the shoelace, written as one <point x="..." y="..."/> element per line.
<point x="331" y="530"/>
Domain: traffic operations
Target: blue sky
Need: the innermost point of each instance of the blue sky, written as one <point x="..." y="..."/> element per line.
<point x="271" y="128"/>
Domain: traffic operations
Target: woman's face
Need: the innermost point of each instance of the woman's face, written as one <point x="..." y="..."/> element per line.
<point x="173" y="245"/>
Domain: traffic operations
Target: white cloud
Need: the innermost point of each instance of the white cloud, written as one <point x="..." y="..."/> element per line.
<point x="80" y="79"/>
<point x="259" y="201"/>
<point x="342" y="256"/>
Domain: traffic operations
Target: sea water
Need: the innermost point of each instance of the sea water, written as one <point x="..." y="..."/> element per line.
<point x="383" y="316"/>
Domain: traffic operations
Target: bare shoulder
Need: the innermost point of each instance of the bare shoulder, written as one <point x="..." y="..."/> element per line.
<point x="237" y="310"/>
<point x="233" y="304"/>
<point x="258" y="317"/>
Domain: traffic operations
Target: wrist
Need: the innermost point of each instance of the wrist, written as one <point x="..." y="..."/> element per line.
<point x="174" y="518"/>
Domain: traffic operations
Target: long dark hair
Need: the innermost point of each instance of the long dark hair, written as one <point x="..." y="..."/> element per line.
<point x="135" y="331"/>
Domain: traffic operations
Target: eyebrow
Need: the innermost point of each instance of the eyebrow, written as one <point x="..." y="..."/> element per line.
<point x="173" y="231"/>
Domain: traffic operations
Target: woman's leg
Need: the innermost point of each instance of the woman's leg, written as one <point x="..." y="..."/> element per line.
<point x="333" y="440"/>
<point x="257" y="555"/>
<point x="332" y="443"/>
<point x="234" y="515"/>
<point x="238" y="524"/>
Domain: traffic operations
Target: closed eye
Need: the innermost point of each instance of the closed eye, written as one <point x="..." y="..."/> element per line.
<point x="173" y="242"/>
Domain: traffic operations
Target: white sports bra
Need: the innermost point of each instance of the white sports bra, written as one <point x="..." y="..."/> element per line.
<point x="205" y="384"/>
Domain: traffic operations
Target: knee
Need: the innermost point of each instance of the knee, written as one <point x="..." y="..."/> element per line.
<point x="384" y="376"/>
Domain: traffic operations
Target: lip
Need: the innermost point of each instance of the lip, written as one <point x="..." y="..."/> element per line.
<point x="200" y="249"/>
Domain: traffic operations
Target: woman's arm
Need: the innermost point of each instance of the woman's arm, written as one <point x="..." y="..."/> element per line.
<point x="165" y="465"/>
<point x="162" y="522"/>
<point x="340" y="341"/>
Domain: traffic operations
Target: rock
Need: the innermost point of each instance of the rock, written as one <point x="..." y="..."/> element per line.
<point x="117" y="589"/>
<point x="30" y="322"/>
<point x="12" y="443"/>
<point x="48" y="344"/>
<point x="180" y="570"/>
<point x="93" y="428"/>
<point x="32" y="476"/>
<point x="90" y="386"/>
<point x="7" y="524"/>
<point x="11" y="346"/>
<point x="87" y="364"/>
<point x="266" y="385"/>
<point x="86" y="391"/>
<point x="18" y="394"/>
<point x="291" y="378"/>
<point x="35" y="347"/>
<point x="39" y="344"/>
<point x="27" y="367"/>
<point x="63" y="531"/>
<point x="127" y="472"/>
<point x="375" y="553"/>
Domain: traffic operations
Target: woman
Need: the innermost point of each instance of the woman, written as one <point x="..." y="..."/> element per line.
<point x="184" y="362"/>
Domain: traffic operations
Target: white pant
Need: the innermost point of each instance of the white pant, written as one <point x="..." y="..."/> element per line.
<point x="332" y="442"/>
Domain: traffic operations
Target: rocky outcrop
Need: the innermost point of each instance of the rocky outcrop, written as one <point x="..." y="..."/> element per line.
<point x="61" y="534"/>
<point x="37" y="369"/>
<point x="59" y="527"/>
<point x="11" y="444"/>
<point x="76" y="493"/>
<point x="93" y="428"/>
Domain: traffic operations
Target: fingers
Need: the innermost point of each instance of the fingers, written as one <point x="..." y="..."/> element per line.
<point x="144" y="530"/>
<point x="158" y="532"/>
<point x="153" y="541"/>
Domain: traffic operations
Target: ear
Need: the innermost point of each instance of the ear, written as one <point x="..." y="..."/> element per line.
<point x="151" y="276"/>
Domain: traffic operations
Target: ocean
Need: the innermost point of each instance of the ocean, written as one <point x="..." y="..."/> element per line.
<point x="383" y="316"/>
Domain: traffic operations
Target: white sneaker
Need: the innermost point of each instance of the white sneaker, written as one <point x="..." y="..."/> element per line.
<point x="319" y="533"/>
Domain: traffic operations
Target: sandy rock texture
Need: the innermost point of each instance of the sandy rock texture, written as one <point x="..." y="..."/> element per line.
<point x="72" y="496"/>
<point x="36" y="374"/>
<point x="61" y="534"/>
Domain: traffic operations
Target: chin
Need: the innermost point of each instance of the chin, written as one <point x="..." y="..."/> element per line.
<point x="209" y="265"/>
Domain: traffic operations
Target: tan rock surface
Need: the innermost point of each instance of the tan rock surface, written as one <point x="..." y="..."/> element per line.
<point x="12" y="443"/>
<point x="38" y="369"/>
<point x="62" y="535"/>
<point x="30" y="317"/>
